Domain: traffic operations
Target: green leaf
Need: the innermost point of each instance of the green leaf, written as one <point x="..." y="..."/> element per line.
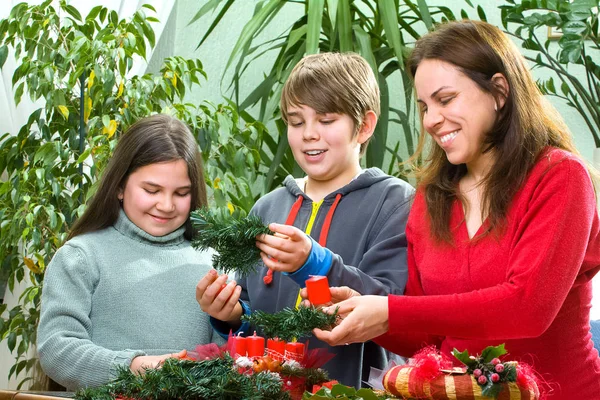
<point x="481" y="13"/>
<point x="389" y="16"/>
<point x="491" y="352"/>
<point x="3" y="54"/>
<point x="149" y="7"/>
<point x="313" y="34"/>
<point x="73" y="12"/>
<point x="93" y="13"/>
<point x="252" y="27"/>
<point x="332" y="8"/>
<point x="463" y="357"/>
<point x="574" y="27"/>
<point x="209" y="6"/>
<point x="344" y="24"/>
<point x="364" y="46"/>
<point x="425" y="15"/>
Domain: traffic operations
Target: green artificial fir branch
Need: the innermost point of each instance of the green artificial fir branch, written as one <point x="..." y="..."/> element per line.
<point x="186" y="380"/>
<point x="289" y="324"/>
<point x="231" y="236"/>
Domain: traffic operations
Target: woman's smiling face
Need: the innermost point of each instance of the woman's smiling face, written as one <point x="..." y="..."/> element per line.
<point x="456" y="112"/>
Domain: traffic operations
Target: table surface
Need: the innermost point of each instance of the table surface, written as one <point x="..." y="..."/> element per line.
<point x="33" y="395"/>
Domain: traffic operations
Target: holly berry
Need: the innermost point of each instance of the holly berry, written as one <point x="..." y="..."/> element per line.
<point x="477" y="373"/>
<point x="495" y="377"/>
<point x="495" y="361"/>
<point x="499" y="367"/>
<point x="482" y="380"/>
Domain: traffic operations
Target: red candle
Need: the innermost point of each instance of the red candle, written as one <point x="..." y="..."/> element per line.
<point x="255" y="346"/>
<point x="239" y="346"/>
<point x="276" y="349"/>
<point x="294" y="351"/>
<point x="318" y="290"/>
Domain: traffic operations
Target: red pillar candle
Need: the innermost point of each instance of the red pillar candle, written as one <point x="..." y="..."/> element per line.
<point x="239" y="346"/>
<point x="318" y="290"/>
<point x="255" y="346"/>
<point x="294" y="351"/>
<point x="276" y="349"/>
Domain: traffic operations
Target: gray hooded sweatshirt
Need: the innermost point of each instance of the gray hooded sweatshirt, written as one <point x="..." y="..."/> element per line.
<point x="365" y="250"/>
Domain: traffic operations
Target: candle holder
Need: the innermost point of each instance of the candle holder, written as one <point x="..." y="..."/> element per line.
<point x="318" y="290"/>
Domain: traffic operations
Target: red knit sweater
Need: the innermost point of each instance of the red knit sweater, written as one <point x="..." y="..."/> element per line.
<point x="530" y="288"/>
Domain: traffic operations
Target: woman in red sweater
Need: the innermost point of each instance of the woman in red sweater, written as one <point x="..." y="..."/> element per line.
<point x="504" y="235"/>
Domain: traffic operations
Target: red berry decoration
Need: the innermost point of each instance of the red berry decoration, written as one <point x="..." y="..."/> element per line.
<point x="499" y="367"/>
<point x="495" y="377"/>
<point x="495" y="361"/>
<point x="477" y="373"/>
<point x="482" y="380"/>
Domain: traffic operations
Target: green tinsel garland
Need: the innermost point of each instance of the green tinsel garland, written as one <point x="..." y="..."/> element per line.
<point x="186" y="380"/>
<point x="289" y="324"/>
<point x="231" y="236"/>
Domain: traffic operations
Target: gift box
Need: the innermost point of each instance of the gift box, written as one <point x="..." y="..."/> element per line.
<point x="404" y="381"/>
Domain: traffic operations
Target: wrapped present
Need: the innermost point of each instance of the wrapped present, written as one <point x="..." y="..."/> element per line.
<point x="403" y="380"/>
<point x="431" y="375"/>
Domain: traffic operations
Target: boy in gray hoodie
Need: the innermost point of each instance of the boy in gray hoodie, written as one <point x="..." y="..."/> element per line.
<point x="339" y="221"/>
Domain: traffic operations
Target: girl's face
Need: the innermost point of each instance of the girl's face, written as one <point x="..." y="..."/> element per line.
<point x="456" y="112"/>
<point x="157" y="197"/>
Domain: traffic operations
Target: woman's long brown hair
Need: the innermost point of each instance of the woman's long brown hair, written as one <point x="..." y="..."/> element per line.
<point x="155" y="139"/>
<point x="524" y="126"/>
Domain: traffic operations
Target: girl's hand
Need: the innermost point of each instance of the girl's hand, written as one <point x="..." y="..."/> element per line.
<point x="141" y="363"/>
<point x="338" y="294"/>
<point x="218" y="298"/>
<point x="363" y="318"/>
<point x="287" y="250"/>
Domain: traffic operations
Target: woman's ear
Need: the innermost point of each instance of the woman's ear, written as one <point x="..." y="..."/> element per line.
<point x="367" y="128"/>
<point x="501" y="83"/>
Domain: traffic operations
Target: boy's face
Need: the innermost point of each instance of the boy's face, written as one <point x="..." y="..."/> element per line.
<point x="324" y="145"/>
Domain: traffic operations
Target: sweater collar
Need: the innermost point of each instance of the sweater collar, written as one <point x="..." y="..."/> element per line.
<point x="131" y="230"/>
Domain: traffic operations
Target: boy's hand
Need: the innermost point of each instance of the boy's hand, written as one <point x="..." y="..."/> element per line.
<point x="287" y="250"/>
<point x="218" y="298"/>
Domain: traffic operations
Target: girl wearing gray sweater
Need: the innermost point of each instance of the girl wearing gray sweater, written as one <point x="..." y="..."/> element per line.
<point x="120" y="292"/>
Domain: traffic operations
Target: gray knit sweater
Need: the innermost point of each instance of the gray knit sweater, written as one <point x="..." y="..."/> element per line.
<point x="116" y="293"/>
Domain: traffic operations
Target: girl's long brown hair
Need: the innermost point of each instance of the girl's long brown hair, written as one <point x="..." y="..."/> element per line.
<point x="524" y="126"/>
<point x="155" y="139"/>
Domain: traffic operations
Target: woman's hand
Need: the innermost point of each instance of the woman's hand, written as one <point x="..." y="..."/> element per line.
<point x="141" y="363"/>
<point x="218" y="298"/>
<point x="363" y="318"/>
<point x="286" y="250"/>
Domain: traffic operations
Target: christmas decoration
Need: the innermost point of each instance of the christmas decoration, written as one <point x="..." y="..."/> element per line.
<point x="184" y="379"/>
<point x="289" y="324"/>
<point x="232" y="237"/>
<point x="430" y="375"/>
<point x="211" y="373"/>
<point x="318" y="290"/>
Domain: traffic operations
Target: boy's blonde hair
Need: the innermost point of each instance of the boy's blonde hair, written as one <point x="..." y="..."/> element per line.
<point x="342" y="83"/>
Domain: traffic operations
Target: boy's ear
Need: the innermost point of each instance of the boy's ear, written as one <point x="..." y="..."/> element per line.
<point x="368" y="126"/>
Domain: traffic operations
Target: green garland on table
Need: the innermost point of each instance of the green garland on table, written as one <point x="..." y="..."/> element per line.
<point x="231" y="236"/>
<point x="289" y="324"/>
<point x="186" y="380"/>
